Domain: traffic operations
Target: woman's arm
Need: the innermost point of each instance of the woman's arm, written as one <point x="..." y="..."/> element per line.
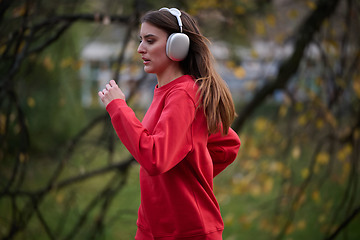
<point x="170" y="140"/>
<point x="223" y="149"/>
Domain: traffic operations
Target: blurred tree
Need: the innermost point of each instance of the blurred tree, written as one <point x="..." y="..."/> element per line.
<point x="319" y="110"/>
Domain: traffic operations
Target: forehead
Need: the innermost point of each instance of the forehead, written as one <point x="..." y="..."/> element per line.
<point x="149" y="29"/>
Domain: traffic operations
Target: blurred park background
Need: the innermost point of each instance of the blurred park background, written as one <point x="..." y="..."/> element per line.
<point x="293" y="69"/>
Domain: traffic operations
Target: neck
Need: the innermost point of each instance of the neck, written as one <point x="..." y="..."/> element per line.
<point x="170" y="74"/>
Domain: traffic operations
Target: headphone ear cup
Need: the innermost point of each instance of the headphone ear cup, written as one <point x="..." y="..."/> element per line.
<point x="177" y="46"/>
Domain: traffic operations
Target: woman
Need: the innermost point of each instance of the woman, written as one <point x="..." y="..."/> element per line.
<point x="185" y="138"/>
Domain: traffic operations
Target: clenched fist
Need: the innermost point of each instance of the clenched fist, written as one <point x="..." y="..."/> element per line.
<point x="111" y="92"/>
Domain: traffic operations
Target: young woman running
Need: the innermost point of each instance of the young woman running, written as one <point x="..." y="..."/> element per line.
<point x="185" y="138"/>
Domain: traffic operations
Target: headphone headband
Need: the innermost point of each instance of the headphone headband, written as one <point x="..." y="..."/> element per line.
<point x="175" y="12"/>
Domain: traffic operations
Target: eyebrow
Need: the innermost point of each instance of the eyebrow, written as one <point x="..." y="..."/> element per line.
<point x="148" y="35"/>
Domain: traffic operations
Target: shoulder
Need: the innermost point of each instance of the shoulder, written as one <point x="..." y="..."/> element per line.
<point x="187" y="85"/>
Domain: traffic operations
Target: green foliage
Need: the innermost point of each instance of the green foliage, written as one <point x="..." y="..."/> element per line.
<point x="50" y="93"/>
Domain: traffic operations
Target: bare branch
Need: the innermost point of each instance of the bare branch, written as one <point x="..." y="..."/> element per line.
<point x="303" y="37"/>
<point x="349" y="218"/>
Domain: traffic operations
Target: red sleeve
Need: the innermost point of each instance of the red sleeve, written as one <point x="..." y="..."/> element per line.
<point x="170" y="140"/>
<point x="223" y="149"/>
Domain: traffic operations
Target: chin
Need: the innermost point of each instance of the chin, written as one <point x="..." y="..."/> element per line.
<point x="148" y="70"/>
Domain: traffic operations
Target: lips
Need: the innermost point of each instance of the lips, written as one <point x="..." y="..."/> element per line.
<point x="145" y="60"/>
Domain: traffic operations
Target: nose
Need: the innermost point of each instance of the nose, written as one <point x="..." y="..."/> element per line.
<point x="141" y="48"/>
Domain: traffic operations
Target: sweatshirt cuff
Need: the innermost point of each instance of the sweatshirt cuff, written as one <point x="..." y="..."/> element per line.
<point x="114" y="105"/>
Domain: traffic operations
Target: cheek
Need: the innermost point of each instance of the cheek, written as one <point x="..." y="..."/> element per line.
<point x="160" y="51"/>
<point x="160" y="57"/>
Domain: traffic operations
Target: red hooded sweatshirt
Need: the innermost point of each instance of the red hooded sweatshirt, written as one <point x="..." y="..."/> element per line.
<point x="178" y="161"/>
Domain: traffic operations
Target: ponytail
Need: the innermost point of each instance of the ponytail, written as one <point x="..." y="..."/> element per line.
<point x="217" y="103"/>
<point x="214" y="95"/>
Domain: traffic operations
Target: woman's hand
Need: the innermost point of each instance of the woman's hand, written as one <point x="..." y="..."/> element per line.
<point x="111" y="92"/>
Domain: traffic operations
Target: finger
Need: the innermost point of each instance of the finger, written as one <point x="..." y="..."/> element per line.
<point x="112" y="83"/>
<point x="101" y="94"/>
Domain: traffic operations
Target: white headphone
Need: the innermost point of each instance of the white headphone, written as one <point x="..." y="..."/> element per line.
<point x="177" y="45"/>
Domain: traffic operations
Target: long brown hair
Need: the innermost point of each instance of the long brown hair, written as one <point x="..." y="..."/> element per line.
<point x="215" y="97"/>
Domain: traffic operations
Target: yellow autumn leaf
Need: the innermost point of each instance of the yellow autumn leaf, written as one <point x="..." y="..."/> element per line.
<point x="21" y="47"/>
<point x="229" y="220"/>
<point x="271" y="20"/>
<point x="250" y="85"/>
<point x="286" y="173"/>
<point x="17" y="128"/>
<point x="276" y="167"/>
<point x="301" y="224"/>
<point x="271" y="151"/>
<point x="265" y="225"/>
<point x="2" y="49"/>
<point x="356" y="86"/>
<point x="255" y="190"/>
<point x="2" y="123"/>
<point x="48" y="63"/>
<point x="239" y="72"/>
<point x="268" y="185"/>
<point x="241" y="29"/>
<point x="19" y="11"/>
<point x="344" y="153"/>
<point x="331" y="119"/>
<point x="319" y="81"/>
<point x="299" y="107"/>
<point x="329" y="205"/>
<point x="316" y="196"/>
<point x="302" y="120"/>
<point x="249" y="165"/>
<point x="229" y="64"/>
<point x="357" y="134"/>
<point x="59" y="198"/>
<point x="62" y="102"/>
<point x="260" y="28"/>
<point x="311" y="5"/>
<point x="319" y="123"/>
<point x="290" y="229"/>
<point x="296" y="152"/>
<point x="245" y="222"/>
<point x="322" y="218"/>
<point x="322" y="158"/>
<point x="254" y="53"/>
<point x="293" y="13"/>
<point x="326" y="23"/>
<point x="253" y="215"/>
<point x="31" y="102"/>
<point x="317" y="168"/>
<point x="345" y="171"/>
<point x="77" y="65"/>
<point x="279" y="38"/>
<point x="66" y="62"/>
<point x="275" y="230"/>
<point x="341" y="82"/>
<point x="254" y="152"/>
<point x="22" y="157"/>
<point x="304" y="173"/>
<point x="261" y="124"/>
<point x="240" y="10"/>
<point x="283" y="111"/>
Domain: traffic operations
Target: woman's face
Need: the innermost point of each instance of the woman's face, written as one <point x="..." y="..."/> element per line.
<point x="152" y="48"/>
